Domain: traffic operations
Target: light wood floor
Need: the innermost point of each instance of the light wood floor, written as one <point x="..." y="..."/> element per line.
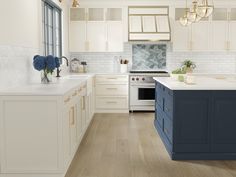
<point x="122" y="145"/>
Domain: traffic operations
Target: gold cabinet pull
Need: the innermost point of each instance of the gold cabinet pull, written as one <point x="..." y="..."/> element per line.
<point x="67" y="100"/>
<point x="72" y="116"/>
<point x="111" y="102"/>
<point x="75" y="93"/>
<point x="112" y="78"/>
<point x="112" y="88"/>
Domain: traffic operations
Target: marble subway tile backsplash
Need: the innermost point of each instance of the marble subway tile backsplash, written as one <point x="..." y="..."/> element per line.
<point x="16" y="66"/>
<point x="207" y="62"/>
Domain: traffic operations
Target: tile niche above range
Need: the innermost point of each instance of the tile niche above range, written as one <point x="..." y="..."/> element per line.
<point x="149" y="56"/>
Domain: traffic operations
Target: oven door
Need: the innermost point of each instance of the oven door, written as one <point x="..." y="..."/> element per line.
<point x="142" y="95"/>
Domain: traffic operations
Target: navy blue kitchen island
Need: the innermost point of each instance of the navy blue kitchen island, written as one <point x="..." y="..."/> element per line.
<point x="196" y="124"/>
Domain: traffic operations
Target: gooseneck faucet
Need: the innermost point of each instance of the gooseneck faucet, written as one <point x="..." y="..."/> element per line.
<point x="59" y="70"/>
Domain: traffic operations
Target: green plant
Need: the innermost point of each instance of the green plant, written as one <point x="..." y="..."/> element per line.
<point x="179" y="71"/>
<point x="189" y="64"/>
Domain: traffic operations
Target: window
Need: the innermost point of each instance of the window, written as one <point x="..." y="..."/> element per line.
<point x="52" y="30"/>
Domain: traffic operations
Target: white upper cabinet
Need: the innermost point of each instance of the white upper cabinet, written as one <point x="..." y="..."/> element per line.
<point x="96" y="14"/>
<point x="232" y="29"/>
<point x="219" y="30"/>
<point x="200" y="36"/>
<point x="96" y="32"/>
<point x="93" y="29"/>
<point x="77" y="30"/>
<point x="181" y="35"/>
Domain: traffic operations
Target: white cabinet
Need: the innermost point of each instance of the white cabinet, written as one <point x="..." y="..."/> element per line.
<point x="95" y="32"/>
<point x="232" y="29"/>
<point x="42" y="134"/>
<point x="114" y="36"/>
<point x="78" y="30"/>
<point x="181" y="37"/>
<point x="78" y="36"/>
<point x="214" y="34"/>
<point x="200" y="36"/>
<point x="112" y="94"/>
<point x="219" y="30"/>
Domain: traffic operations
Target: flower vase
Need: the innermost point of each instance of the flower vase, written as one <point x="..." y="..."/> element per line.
<point x="46" y="77"/>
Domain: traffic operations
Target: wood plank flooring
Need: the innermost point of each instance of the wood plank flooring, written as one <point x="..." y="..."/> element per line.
<point x="123" y="145"/>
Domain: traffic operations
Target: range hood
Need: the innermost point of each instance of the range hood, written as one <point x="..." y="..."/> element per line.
<point x="149" y="23"/>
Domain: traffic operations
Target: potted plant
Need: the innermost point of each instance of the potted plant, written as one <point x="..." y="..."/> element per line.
<point x="188" y="66"/>
<point x="46" y="65"/>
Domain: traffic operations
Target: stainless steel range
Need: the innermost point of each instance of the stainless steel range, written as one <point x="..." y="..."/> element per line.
<point x="142" y="89"/>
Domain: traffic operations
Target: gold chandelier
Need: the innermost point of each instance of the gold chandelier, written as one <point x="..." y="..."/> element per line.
<point x="196" y="12"/>
<point x="75" y="3"/>
<point x="184" y="21"/>
<point x="204" y="9"/>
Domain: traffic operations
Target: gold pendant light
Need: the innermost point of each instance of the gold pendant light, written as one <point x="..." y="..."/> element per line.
<point x="184" y="21"/>
<point x="75" y="3"/>
<point x="192" y="14"/>
<point x="204" y="9"/>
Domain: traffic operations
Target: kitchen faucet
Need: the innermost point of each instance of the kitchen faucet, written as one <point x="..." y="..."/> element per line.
<point x="59" y="70"/>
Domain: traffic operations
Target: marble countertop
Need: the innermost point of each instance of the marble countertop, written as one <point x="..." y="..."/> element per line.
<point x="58" y="87"/>
<point x="201" y="82"/>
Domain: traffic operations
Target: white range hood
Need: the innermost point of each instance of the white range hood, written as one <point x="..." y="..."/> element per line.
<point x="149" y="23"/>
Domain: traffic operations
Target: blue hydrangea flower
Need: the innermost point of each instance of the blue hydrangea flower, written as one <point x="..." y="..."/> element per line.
<point x="57" y="60"/>
<point x="50" y="62"/>
<point x="39" y="62"/>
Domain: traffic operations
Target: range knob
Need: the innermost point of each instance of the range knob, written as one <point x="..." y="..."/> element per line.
<point x="137" y="79"/>
<point x="133" y="79"/>
<point x="143" y="79"/>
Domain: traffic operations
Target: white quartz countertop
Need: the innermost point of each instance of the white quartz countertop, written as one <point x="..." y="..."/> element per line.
<point x="206" y="82"/>
<point x="58" y="87"/>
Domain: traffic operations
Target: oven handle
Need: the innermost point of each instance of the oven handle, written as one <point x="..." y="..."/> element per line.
<point x="143" y="86"/>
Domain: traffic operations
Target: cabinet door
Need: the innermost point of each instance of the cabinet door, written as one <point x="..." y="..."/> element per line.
<point x="114" y="36"/>
<point x="224" y="121"/>
<point x="192" y="116"/>
<point x="200" y="36"/>
<point x="73" y="133"/>
<point x="181" y="37"/>
<point x="78" y="36"/>
<point x="219" y="30"/>
<point x="79" y="120"/>
<point x="219" y="36"/>
<point x="96" y="32"/>
<point x="66" y="134"/>
<point x="83" y="113"/>
<point x="232" y="36"/>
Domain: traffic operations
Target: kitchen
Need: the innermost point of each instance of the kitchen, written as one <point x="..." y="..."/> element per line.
<point x="148" y="90"/>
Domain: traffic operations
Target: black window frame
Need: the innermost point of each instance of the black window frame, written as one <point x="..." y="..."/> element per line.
<point x="53" y="42"/>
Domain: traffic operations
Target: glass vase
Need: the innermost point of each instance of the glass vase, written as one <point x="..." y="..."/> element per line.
<point x="46" y="78"/>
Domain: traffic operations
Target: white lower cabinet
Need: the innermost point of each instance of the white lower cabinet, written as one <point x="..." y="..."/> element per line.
<point x="112" y="94"/>
<point x="39" y="135"/>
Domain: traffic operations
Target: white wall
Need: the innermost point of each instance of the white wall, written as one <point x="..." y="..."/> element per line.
<point x="20" y="39"/>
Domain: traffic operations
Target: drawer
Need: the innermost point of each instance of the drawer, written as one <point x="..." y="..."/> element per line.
<point x="111" y="103"/>
<point x="70" y="96"/>
<point x="112" y="90"/>
<point x="168" y="129"/>
<point x="112" y="78"/>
